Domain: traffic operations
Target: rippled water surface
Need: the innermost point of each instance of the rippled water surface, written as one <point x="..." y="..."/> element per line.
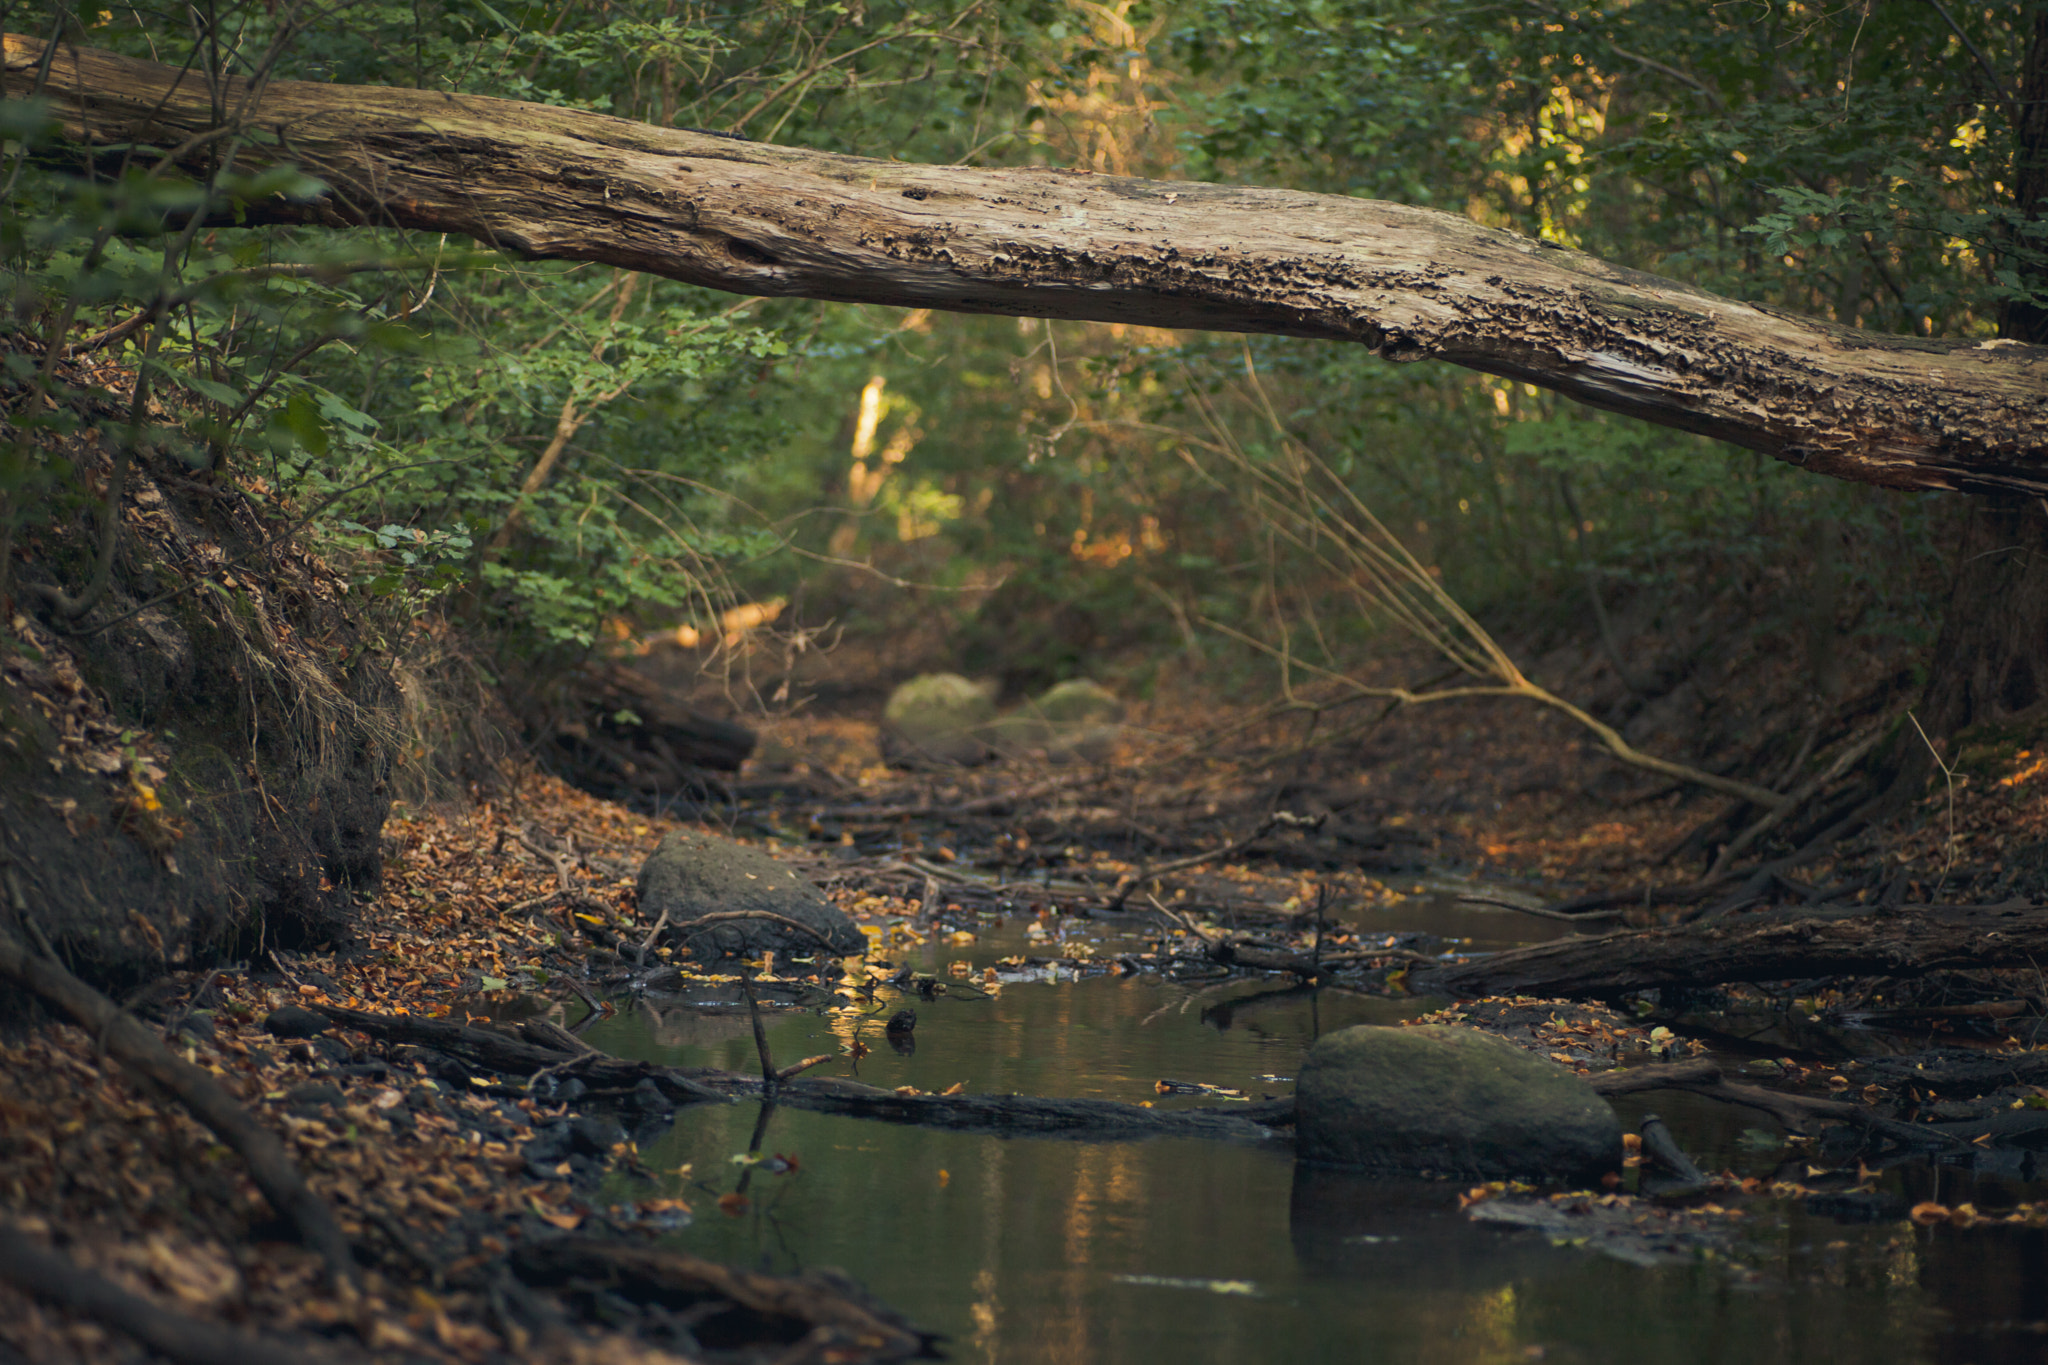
<point x="1176" y="1251"/>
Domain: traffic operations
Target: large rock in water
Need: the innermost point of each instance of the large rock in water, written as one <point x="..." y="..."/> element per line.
<point x="690" y="875"/>
<point x="934" y="719"/>
<point x="1449" y="1102"/>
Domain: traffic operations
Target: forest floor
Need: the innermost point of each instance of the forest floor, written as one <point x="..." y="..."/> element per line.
<point x="521" y="907"/>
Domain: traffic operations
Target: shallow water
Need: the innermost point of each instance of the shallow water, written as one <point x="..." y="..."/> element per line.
<point x="1034" y="1250"/>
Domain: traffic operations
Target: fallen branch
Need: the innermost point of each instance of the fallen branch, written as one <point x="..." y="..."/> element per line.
<point x="146" y="1057"/>
<point x="490" y="1050"/>
<point x="53" y="1278"/>
<point x="1903" y="943"/>
<point x="796" y="1069"/>
<point x="1132" y="881"/>
<point x="973" y="806"/>
<point x="1539" y="911"/>
<point x="1226" y="951"/>
<point x="1702" y="1076"/>
<point x="1081" y="1119"/>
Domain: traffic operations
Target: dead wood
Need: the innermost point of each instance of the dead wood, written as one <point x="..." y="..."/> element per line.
<point x="1628" y="1080"/>
<point x="489" y="1050"/>
<point x="1908" y="942"/>
<point x="1407" y="283"/>
<point x="608" y="725"/>
<point x="54" y="1279"/>
<point x="1028" y="1115"/>
<point x="979" y="805"/>
<point x="146" y="1057"/>
<point x="1226" y="950"/>
<point x="1082" y="1119"/>
<point x="676" y="1279"/>
<point x="1702" y="1076"/>
<point x="1134" y="880"/>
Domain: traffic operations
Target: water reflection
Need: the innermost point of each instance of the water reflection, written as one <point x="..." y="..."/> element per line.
<point x="1028" y="1251"/>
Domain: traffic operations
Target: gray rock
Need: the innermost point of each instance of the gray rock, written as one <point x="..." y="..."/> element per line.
<point x="932" y="719"/>
<point x="1449" y="1102"/>
<point x="693" y="874"/>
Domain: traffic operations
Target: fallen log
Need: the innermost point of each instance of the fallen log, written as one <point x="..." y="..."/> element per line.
<point x="490" y="1050"/>
<point x="1702" y="1076"/>
<point x="609" y="727"/>
<point x="1906" y="942"/>
<point x="1406" y="283"/>
<point x="1079" y="1119"/>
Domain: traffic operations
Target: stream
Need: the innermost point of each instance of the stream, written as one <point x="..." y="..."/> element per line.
<point x="1038" y="1250"/>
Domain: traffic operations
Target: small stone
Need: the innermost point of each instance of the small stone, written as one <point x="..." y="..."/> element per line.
<point x="595" y="1137"/>
<point x="647" y="1099"/>
<point x="1450" y="1102"/>
<point x="550" y="1146"/>
<point x="315" y="1093"/>
<point x="290" y="1021"/>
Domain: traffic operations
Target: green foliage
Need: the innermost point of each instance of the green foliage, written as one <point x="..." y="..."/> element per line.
<point x="540" y="448"/>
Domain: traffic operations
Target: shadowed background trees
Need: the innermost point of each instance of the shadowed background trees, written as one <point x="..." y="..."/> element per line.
<point x="533" y="457"/>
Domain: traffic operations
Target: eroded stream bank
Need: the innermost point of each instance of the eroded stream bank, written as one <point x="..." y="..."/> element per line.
<point x="487" y="1180"/>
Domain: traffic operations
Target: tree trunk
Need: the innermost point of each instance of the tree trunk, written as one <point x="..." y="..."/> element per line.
<point x="1991" y="664"/>
<point x="1406" y="283"/>
<point x="1902" y="943"/>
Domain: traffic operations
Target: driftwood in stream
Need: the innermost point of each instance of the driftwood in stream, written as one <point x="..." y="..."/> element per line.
<point x="1906" y="942"/>
<point x="1082" y="1120"/>
<point x="1406" y="283"/>
<point x="1798" y="1113"/>
<point x="146" y="1058"/>
<point x="488" y="1049"/>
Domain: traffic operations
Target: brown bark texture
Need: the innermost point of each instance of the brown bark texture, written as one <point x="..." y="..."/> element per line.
<point x="1900" y="943"/>
<point x="1406" y="283"/>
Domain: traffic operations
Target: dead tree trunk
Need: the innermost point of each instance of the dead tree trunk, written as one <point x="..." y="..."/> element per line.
<point x="1902" y="943"/>
<point x="1406" y="283"/>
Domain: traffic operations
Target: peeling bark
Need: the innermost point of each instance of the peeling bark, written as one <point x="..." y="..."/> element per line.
<point x="1406" y="283"/>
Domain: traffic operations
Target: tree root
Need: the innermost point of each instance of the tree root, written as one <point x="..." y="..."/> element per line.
<point x="146" y="1057"/>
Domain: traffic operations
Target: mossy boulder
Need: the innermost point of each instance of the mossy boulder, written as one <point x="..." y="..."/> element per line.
<point x="933" y="720"/>
<point x="1079" y="701"/>
<point x="1071" y="722"/>
<point x="1449" y="1102"/>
